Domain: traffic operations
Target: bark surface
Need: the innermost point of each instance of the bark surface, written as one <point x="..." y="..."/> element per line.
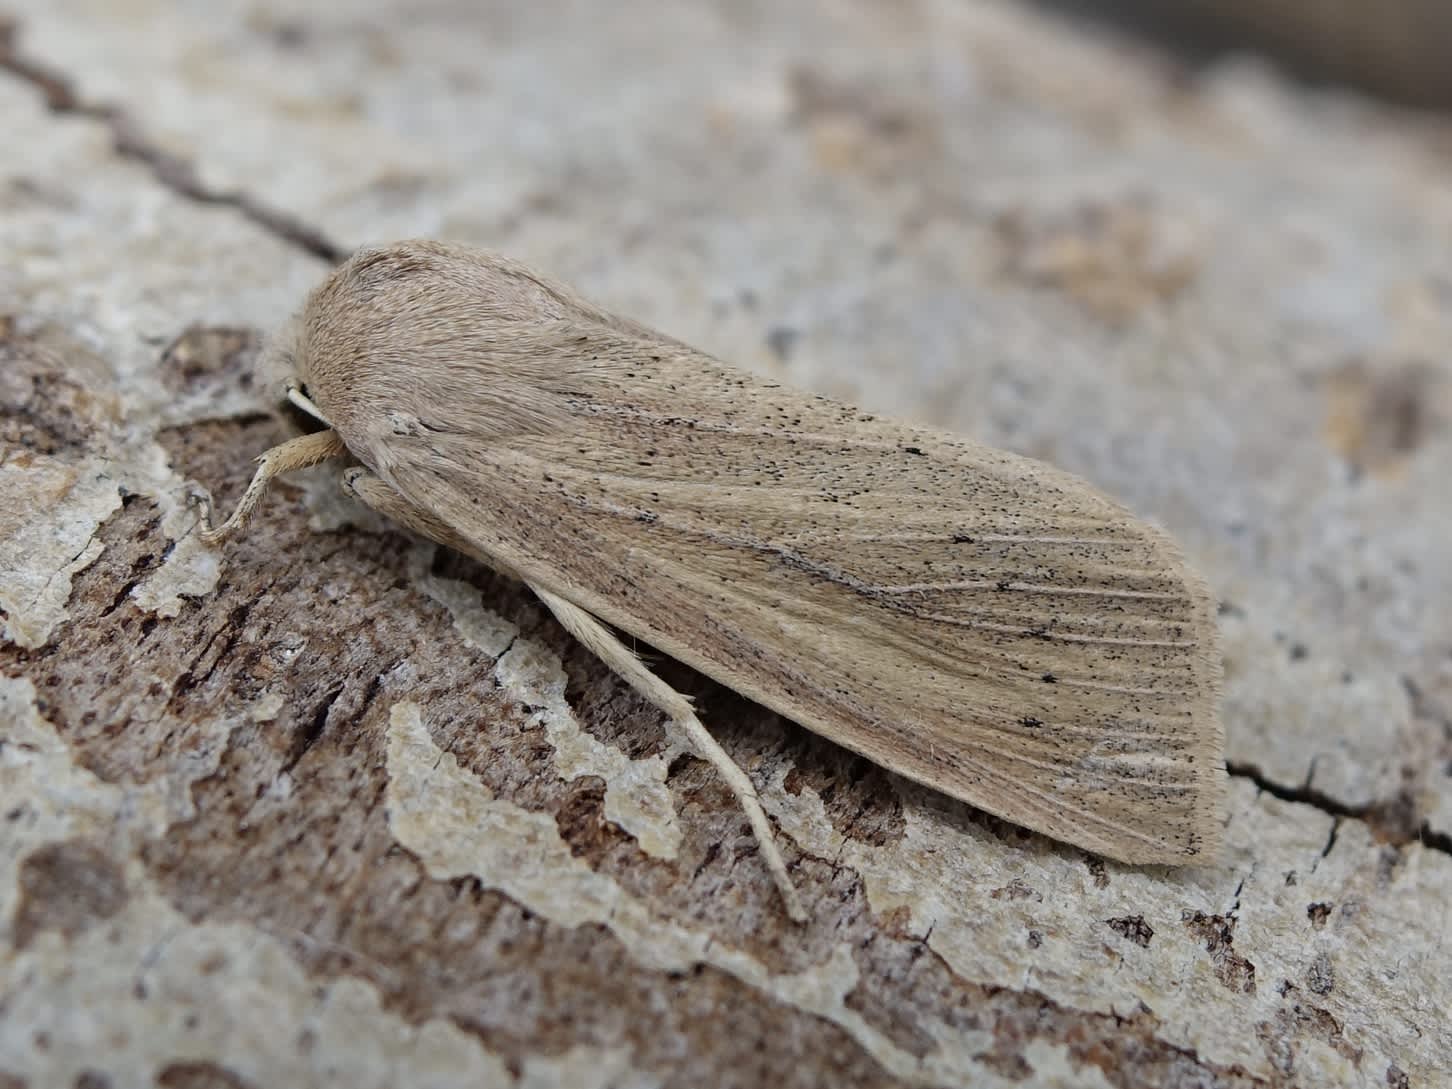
<point x="337" y="808"/>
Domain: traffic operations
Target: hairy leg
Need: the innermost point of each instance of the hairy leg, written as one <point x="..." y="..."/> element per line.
<point x="298" y="453"/>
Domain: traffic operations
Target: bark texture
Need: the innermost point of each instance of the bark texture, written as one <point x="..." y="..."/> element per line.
<point x="335" y="808"/>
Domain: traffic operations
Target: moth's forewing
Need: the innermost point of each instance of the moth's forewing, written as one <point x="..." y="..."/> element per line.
<point x="980" y="622"/>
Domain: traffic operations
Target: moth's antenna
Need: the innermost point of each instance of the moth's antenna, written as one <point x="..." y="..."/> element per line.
<point x="304" y="402"/>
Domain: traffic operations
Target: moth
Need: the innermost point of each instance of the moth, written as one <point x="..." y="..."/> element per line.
<point x="977" y="621"/>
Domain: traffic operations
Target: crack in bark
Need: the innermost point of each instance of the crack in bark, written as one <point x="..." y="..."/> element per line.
<point x="232" y="627"/>
<point x="172" y="171"/>
<point x="309" y="735"/>
<point x="1391" y="820"/>
<point x="1434" y="840"/>
<point x="141" y="569"/>
<point x="1330" y="841"/>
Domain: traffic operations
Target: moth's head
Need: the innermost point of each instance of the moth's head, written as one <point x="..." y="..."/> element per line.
<point x="277" y="363"/>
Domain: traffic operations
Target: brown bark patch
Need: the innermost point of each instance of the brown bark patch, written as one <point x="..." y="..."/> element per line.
<point x="199" y="1076"/>
<point x="1134" y="928"/>
<point x="1218" y="933"/>
<point x="68" y="888"/>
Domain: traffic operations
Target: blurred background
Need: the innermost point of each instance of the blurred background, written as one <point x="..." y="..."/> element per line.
<point x="1401" y="49"/>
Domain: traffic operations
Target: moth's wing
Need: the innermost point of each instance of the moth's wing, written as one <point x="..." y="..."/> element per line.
<point x="979" y="622"/>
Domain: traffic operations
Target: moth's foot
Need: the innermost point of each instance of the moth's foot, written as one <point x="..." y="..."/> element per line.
<point x="200" y="500"/>
<point x="349" y="482"/>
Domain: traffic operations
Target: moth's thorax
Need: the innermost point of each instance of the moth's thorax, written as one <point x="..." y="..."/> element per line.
<point x="423" y="342"/>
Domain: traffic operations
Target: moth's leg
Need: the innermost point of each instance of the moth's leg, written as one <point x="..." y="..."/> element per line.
<point x="601" y="642"/>
<point x="298" y="453"/>
<point x="373" y="492"/>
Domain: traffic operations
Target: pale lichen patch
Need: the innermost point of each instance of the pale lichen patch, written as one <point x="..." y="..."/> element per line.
<point x="945" y="868"/>
<point x="586" y="1068"/>
<point x="191" y="570"/>
<point x="49" y="513"/>
<point x="48" y="799"/>
<point x="636" y="795"/>
<point x="1053" y="1065"/>
<point x="484" y="630"/>
<point x="267" y="707"/>
<point x="457" y="827"/>
<point x="226" y="994"/>
<point x="55" y="800"/>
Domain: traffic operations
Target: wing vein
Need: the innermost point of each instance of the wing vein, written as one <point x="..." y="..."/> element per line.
<point x="1026" y="587"/>
<point x="1043" y="633"/>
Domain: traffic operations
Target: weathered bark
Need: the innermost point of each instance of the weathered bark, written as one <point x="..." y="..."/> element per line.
<point x="336" y="808"/>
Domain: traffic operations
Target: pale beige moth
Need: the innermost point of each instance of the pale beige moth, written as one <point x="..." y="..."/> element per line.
<point x="978" y="621"/>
